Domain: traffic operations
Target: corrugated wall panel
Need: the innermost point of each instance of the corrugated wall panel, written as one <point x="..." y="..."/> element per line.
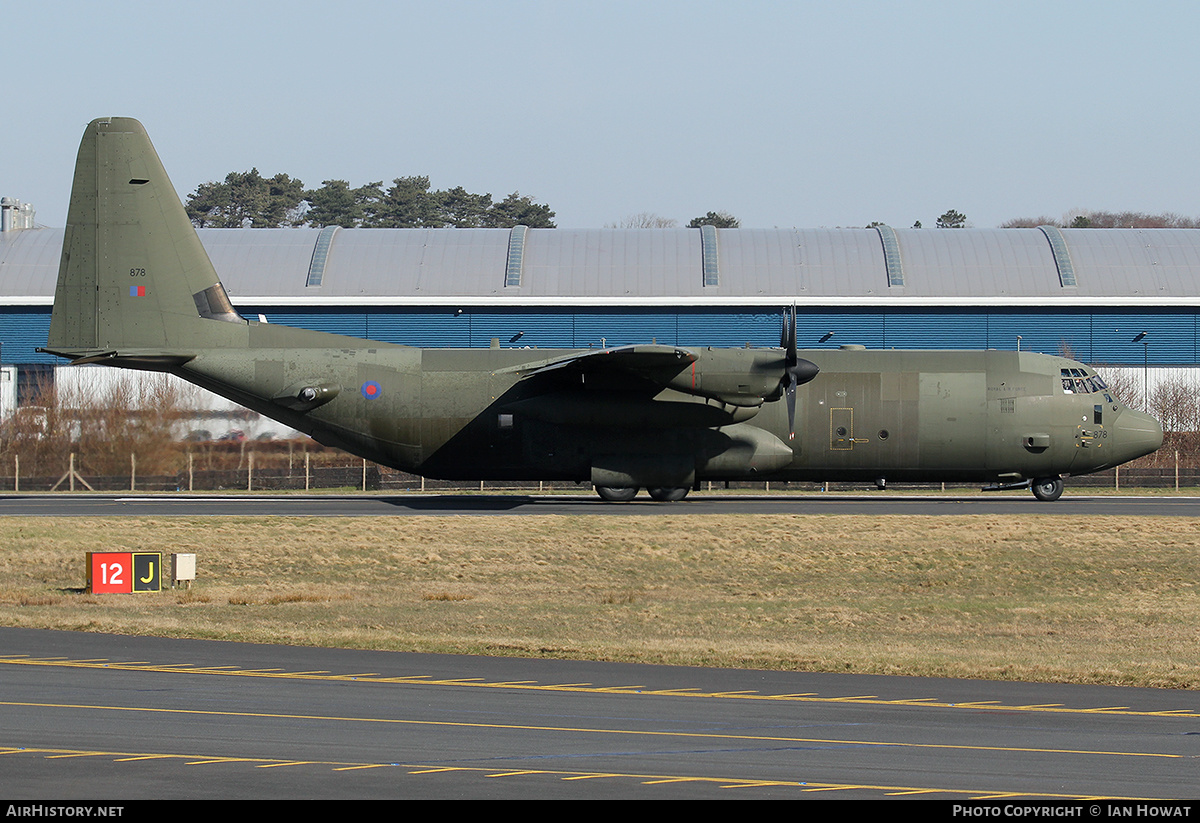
<point x="520" y="328"/>
<point x="728" y="328"/>
<point x="22" y="331"/>
<point x="618" y="327"/>
<point x="950" y="328"/>
<point x="434" y="328"/>
<point x="849" y="327"/>
<point x="1068" y="333"/>
<point x="334" y="321"/>
<point x="1170" y="339"/>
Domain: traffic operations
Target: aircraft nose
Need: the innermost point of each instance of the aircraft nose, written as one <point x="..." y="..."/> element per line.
<point x="1134" y="435"/>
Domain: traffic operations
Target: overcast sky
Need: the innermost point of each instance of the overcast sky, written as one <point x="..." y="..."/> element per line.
<point x="802" y="114"/>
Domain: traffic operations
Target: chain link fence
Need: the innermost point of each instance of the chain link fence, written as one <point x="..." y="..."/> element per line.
<point x="264" y="472"/>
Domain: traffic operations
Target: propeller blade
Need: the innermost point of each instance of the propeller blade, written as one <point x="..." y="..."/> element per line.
<point x="795" y="371"/>
<point x="791" y="344"/>
<point x="802" y="371"/>
<point x="791" y="407"/>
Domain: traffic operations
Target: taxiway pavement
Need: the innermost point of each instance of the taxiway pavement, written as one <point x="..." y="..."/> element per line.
<point x="106" y="717"/>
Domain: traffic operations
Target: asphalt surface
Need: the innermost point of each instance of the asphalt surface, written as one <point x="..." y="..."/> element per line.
<point x="101" y="717"/>
<point x="89" y="716"/>
<point x="1017" y="504"/>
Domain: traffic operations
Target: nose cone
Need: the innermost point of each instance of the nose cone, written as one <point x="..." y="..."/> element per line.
<point x="1134" y="435"/>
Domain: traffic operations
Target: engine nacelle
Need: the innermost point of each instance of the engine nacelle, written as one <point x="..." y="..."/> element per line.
<point x="739" y="377"/>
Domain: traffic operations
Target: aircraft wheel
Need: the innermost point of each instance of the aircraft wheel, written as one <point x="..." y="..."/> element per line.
<point x="669" y="494"/>
<point x="1047" y="489"/>
<point x="617" y="494"/>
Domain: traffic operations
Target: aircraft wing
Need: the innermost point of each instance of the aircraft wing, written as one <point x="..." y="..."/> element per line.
<point x="655" y="385"/>
<point x="638" y="360"/>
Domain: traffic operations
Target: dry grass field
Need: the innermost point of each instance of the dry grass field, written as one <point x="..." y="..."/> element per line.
<point x="1103" y="600"/>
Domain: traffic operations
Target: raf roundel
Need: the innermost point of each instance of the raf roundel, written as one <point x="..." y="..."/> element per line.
<point x="371" y="390"/>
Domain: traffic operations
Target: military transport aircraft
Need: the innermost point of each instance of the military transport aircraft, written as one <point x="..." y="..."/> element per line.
<point x="136" y="290"/>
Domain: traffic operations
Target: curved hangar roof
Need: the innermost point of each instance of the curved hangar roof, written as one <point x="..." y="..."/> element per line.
<point x="523" y="266"/>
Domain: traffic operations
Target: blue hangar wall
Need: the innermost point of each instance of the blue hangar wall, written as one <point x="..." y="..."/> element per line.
<point x="1100" y="338"/>
<point x="1097" y="337"/>
<point x="1103" y="338"/>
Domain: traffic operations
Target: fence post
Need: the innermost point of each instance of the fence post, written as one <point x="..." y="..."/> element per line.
<point x="1177" y="470"/>
<point x="132" y="471"/>
<point x="1117" y="479"/>
<point x="17" y="473"/>
<point x="190" y="472"/>
<point x="364" y="478"/>
<point x="307" y="455"/>
<point x="250" y="473"/>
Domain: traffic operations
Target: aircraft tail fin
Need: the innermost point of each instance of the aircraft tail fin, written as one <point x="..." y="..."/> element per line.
<point x="135" y="286"/>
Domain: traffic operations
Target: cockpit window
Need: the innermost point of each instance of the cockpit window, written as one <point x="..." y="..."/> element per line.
<point x="1077" y="381"/>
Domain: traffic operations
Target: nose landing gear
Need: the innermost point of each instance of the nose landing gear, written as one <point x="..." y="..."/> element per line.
<point x="1047" y="489"/>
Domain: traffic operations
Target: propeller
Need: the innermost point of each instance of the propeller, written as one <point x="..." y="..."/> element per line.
<point x="795" y="370"/>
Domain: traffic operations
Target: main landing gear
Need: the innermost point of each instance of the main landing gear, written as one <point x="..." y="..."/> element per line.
<point x="616" y="494"/>
<point x="621" y="494"/>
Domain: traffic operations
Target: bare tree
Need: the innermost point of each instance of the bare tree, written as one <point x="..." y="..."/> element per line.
<point x="1132" y="220"/>
<point x="645" y="220"/>
<point x="1029" y="222"/>
<point x="1175" y="401"/>
<point x="1088" y="219"/>
<point x="1124" y="384"/>
<point x="101" y="419"/>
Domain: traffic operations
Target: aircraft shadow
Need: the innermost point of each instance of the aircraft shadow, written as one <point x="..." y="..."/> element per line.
<point x="482" y="503"/>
